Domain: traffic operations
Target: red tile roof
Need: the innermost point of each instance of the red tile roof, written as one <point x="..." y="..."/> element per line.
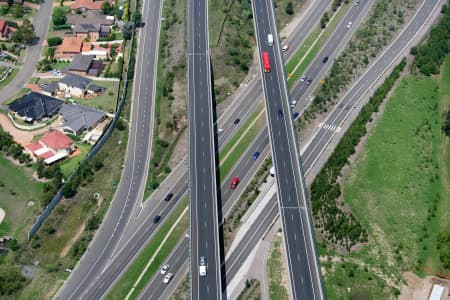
<point x="71" y="44"/>
<point x="2" y="25"/>
<point x="34" y="146"/>
<point x="33" y="87"/>
<point x="56" y="140"/>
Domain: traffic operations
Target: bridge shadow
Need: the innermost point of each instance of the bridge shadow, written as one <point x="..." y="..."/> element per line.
<point x="218" y="192"/>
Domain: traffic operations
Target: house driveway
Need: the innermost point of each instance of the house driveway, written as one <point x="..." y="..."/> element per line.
<point x="23" y="137"/>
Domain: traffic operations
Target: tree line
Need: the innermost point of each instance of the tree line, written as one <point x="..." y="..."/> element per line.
<point x="336" y="225"/>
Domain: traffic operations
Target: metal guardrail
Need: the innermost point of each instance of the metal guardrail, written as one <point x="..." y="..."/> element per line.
<point x="98" y="145"/>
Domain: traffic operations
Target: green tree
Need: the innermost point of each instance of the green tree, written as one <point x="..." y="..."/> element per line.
<point x="54" y="41"/>
<point x="25" y="33"/>
<point x="127" y="30"/>
<point x="444" y="248"/>
<point x="17" y="11"/>
<point x="446" y="125"/>
<point x="59" y="16"/>
<point x="106" y="8"/>
<point x="11" y="279"/>
<point x="289" y="8"/>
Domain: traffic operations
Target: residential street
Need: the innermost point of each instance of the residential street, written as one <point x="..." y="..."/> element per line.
<point x="40" y="22"/>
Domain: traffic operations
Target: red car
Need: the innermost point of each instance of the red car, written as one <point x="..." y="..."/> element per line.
<point x="234" y="182"/>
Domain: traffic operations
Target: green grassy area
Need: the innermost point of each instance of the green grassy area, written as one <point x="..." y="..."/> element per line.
<point x="126" y="282"/>
<point x="277" y="290"/>
<point x="106" y="101"/>
<point x="313" y="44"/>
<point x="69" y="165"/>
<point x="17" y="188"/>
<point x="216" y="13"/>
<point x="59" y="65"/>
<point x="394" y="190"/>
<point x="9" y="78"/>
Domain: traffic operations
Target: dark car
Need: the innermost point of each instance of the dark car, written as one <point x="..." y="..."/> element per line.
<point x="308" y="82"/>
<point x="325" y="59"/>
<point x="280" y="113"/>
<point x="156" y="219"/>
<point x="295" y="115"/>
<point x="255" y="155"/>
<point x="168" y="197"/>
<point x="237" y="121"/>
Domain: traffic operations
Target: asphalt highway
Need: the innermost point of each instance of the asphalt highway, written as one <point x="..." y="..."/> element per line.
<point x="302" y="258"/>
<point x="204" y="218"/>
<point x="235" y="259"/>
<point x="130" y="191"/>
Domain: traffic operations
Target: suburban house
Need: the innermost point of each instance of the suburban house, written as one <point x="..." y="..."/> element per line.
<point x="86" y="5"/>
<point x="4" y="31"/>
<point x="91" y="31"/>
<point x="84" y="65"/>
<point x="52" y="147"/>
<point x="49" y="89"/>
<point x="35" y="107"/>
<point x="71" y="46"/>
<point x="78" y="86"/>
<point x="96" y="50"/>
<point x="79" y="118"/>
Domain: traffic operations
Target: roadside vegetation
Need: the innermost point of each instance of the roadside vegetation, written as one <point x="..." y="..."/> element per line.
<point x="170" y="101"/>
<point x="276" y="271"/>
<point x="406" y="216"/>
<point x="252" y="290"/>
<point x="385" y="21"/>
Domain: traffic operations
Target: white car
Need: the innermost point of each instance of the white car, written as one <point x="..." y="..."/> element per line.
<point x="167" y="278"/>
<point x="220" y="130"/>
<point x="202" y="268"/>
<point x="356" y="3"/>
<point x="303" y="78"/>
<point x="293" y="103"/>
<point x="285" y="48"/>
<point x="164" y="269"/>
<point x="349" y="24"/>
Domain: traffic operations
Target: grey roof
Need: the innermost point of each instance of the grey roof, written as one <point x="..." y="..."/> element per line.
<point x="95" y="88"/>
<point x="85" y="28"/>
<point x="80" y="117"/>
<point x="89" y="17"/>
<point x="76" y="81"/>
<point x="50" y="88"/>
<point x="36" y="106"/>
<point x="81" y="63"/>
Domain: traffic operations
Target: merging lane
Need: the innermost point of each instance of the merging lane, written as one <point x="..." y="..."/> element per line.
<point x="202" y="164"/>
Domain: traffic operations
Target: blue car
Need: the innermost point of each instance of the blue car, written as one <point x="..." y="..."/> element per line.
<point x="255" y="155"/>
<point x="295" y="115"/>
<point x="280" y="113"/>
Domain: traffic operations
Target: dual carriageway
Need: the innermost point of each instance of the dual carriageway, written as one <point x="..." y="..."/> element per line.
<point x="252" y="94"/>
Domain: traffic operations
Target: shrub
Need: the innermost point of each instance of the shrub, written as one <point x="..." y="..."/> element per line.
<point x="54" y="41"/>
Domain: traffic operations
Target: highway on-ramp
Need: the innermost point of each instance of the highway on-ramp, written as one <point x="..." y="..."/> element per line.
<point x="204" y="218"/>
<point x="303" y="261"/>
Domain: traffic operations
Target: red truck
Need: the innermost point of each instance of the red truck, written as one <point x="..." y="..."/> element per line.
<point x="266" y="61"/>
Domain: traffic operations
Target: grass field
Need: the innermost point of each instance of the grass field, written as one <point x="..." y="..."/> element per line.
<point x="125" y="284"/>
<point x="395" y="190"/>
<point x="17" y="188"/>
<point x="107" y="100"/>
<point x="277" y="290"/>
<point x="69" y="165"/>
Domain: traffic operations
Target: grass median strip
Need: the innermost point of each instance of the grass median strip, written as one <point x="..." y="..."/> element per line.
<point x="308" y="51"/>
<point x="241" y="141"/>
<point x="130" y="278"/>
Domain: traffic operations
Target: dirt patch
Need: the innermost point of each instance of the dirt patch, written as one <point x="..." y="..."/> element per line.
<point x="68" y="246"/>
<point x="24" y="137"/>
<point x="43" y="179"/>
<point x="419" y="288"/>
<point x="180" y="151"/>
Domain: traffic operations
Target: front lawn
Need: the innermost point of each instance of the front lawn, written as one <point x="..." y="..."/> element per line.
<point x="70" y="164"/>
